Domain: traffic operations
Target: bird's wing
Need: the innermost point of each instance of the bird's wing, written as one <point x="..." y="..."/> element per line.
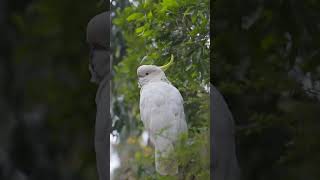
<point x="161" y="109"/>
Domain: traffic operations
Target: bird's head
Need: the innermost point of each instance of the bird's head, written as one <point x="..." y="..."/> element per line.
<point x="152" y="73"/>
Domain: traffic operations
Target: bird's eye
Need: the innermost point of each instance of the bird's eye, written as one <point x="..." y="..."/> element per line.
<point x="147" y="73"/>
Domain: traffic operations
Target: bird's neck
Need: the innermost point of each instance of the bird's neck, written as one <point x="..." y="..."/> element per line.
<point x="154" y="80"/>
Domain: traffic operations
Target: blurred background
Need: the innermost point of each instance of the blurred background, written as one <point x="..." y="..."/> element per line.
<point x="265" y="59"/>
<point x="47" y="108"/>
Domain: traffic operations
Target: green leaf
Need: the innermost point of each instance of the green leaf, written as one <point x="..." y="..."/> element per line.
<point x="140" y="29"/>
<point x="169" y="4"/>
<point x="134" y="16"/>
<point x="150" y="15"/>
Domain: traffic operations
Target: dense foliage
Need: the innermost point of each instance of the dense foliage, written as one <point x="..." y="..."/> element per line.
<point x="265" y="60"/>
<point x="152" y="31"/>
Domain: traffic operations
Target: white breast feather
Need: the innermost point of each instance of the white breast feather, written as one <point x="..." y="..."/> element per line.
<point x="161" y="110"/>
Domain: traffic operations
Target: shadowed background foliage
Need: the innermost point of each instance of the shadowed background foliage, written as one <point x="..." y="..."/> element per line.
<point x="46" y="101"/>
<point x="265" y="59"/>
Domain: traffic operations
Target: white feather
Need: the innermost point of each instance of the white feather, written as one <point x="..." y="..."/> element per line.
<point x="161" y="109"/>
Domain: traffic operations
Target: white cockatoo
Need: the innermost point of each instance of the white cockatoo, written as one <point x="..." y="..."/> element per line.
<point x="162" y="113"/>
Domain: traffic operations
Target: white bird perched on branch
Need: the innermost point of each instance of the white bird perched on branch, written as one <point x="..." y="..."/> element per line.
<point x="162" y="113"/>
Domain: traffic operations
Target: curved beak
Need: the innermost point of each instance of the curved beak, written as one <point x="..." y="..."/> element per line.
<point x="165" y="67"/>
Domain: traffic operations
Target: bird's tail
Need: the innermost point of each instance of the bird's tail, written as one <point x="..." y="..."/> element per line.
<point x="166" y="164"/>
